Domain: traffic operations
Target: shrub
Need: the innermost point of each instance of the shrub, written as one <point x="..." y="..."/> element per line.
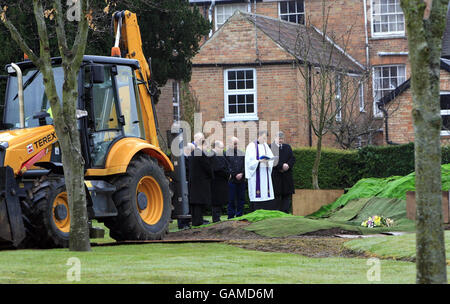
<point x="340" y="169"/>
<point x="384" y="161"/>
<point x="335" y="170"/>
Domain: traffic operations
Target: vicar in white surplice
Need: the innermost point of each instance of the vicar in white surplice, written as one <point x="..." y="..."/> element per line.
<point x="258" y="172"/>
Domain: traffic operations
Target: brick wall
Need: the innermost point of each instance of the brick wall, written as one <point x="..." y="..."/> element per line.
<point x="269" y="9"/>
<point x="346" y="20"/>
<point x="400" y="122"/>
<point x="280" y="88"/>
<point x="345" y="24"/>
<point x="282" y="104"/>
<point x="235" y="42"/>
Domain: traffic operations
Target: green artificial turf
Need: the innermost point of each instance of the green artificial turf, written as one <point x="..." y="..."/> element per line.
<point x="348" y="217"/>
<point x="349" y="211"/>
<point x="296" y="225"/>
<point x="390" y="187"/>
<point x="259" y="215"/>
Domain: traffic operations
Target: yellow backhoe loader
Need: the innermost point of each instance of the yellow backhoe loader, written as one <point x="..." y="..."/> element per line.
<point x="126" y="172"/>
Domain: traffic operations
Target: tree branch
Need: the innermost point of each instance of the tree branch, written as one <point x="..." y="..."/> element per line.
<point x="42" y="31"/>
<point x="45" y="56"/>
<point x="17" y="37"/>
<point x="60" y="31"/>
<point x="79" y="44"/>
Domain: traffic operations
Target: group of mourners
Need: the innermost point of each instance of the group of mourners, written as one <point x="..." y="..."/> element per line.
<point x="217" y="177"/>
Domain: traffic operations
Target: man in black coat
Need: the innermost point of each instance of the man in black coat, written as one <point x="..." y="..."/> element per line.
<point x="283" y="183"/>
<point x="219" y="186"/>
<point x="200" y="176"/>
<point x="237" y="184"/>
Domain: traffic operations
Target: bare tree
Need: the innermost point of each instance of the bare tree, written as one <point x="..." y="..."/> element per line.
<point x="356" y="123"/>
<point x="64" y="112"/>
<point x="425" y="24"/>
<point x="189" y="105"/>
<point x="328" y="74"/>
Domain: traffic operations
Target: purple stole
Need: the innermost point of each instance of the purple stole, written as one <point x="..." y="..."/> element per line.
<point x="258" y="176"/>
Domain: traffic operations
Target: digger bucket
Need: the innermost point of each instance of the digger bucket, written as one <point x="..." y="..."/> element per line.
<point x="12" y="230"/>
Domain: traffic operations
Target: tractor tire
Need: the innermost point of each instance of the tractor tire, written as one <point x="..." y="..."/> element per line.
<point x="48" y="214"/>
<point x="143" y="202"/>
<point x="30" y="235"/>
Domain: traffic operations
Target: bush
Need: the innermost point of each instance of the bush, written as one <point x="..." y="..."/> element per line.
<point x="384" y="161"/>
<point x="335" y="170"/>
<point x="340" y="169"/>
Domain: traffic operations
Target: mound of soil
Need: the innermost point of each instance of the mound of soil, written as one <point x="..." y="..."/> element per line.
<point x="310" y="247"/>
<point x="221" y="231"/>
<point x="317" y="244"/>
<point x="330" y="232"/>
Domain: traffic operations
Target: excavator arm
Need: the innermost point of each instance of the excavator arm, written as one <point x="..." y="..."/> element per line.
<point x="128" y="44"/>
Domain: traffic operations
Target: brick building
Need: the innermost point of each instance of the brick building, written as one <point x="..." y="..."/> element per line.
<point x="247" y="71"/>
<point x="400" y="123"/>
<point x="372" y="33"/>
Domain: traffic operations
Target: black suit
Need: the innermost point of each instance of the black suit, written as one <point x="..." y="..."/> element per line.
<point x="200" y="176"/>
<point x="283" y="183"/>
<point x="236" y="159"/>
<point x="219" y="186"/>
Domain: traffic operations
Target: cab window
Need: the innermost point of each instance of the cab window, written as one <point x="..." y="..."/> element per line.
<point x="104" y="118"/>
<point x="129" y="102"/>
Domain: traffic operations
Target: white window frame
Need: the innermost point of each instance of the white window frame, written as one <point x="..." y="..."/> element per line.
<point x="384" y="34"/>
<point x="338" y="97"/>
<point x="176" y="99"/>
<point x="445" y="113"/>
<point x="234" y="8"/>
<point x="361" y="93"/>
<point x="296" y="13"/>
<point x="362" y="106"/>
<point x="228" y="92"/>
<point x="376" y="111"/>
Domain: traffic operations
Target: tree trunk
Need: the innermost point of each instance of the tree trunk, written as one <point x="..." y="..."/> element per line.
<point x="73" y="163"/>
<point x="64" y="114"/>
<point x="65" y="121"/>
<point x="424" y="40"/>
<point x="430" y="245"/>
<point x="315" y="168"/>
<point x="73" y="170"/>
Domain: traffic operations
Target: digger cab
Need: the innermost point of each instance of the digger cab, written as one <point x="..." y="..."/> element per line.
<point x="108" y="97"/>
<point x="116" y="128"/>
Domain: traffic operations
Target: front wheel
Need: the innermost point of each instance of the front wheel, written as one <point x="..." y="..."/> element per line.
<point x="142" y="199"/>
<point x="49" y="213"/>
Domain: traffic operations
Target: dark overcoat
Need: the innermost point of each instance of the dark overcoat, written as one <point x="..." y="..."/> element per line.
<point x="236" y="160"/>
<point x="219" y="187"/>
<point x="200" y="178"/>
<point x="283" y="182"/>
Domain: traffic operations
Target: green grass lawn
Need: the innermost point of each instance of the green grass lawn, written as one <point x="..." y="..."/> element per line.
<point x="191" y="263"/>
<point x="215" y="263"/>
<point x="398" y="247"/>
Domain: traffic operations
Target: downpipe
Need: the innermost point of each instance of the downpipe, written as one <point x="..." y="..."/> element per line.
<point x="386" y="124"/>
<point x="210" y="17"/>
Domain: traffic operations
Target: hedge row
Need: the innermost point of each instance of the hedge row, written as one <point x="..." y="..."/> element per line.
<point x="342" y="169"/>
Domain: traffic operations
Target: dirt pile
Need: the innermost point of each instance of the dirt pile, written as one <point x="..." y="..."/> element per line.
<point x="313" y="247"/>
<point x="226" y="230"/>
<point x="323" y="244"/>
